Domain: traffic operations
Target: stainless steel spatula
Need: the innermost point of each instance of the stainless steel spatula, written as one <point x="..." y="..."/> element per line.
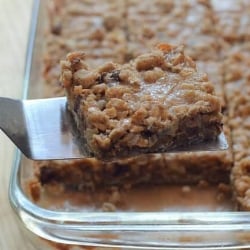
<point x="42" y="130"/>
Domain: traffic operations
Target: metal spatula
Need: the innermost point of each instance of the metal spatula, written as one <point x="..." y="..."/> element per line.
<point x="42" y="130"/>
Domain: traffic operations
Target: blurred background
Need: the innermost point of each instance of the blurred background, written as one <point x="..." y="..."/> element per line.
<point x="14" y="26"/>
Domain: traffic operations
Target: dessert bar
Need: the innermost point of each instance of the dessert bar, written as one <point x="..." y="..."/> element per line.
<point x="155" y="103"/>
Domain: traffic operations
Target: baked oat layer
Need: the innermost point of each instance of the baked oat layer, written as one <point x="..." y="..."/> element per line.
<point x="155" y="103"/>
<point x="155" y="169"/>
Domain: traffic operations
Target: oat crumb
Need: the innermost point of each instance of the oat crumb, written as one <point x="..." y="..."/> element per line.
<point x="202" y="184"/>
<point x="186" y="189"/>
<point x="108" y="207"/>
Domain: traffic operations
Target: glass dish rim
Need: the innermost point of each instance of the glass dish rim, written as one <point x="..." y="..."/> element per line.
<point x="32" y="215"/>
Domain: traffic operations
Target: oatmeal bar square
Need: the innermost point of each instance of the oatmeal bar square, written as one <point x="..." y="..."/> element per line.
<point x="154" y="103"/>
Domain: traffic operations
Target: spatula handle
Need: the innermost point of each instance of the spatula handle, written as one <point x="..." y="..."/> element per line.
<point x="12" y="120"/>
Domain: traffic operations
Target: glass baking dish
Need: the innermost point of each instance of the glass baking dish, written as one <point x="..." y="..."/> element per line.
<point x="175" y="227"/>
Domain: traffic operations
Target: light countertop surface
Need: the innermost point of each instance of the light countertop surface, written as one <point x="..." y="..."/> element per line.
<point x="14" y="26"/>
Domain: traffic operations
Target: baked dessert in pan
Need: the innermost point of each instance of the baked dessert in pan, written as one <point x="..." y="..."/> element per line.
<point x="214" y="34"/>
